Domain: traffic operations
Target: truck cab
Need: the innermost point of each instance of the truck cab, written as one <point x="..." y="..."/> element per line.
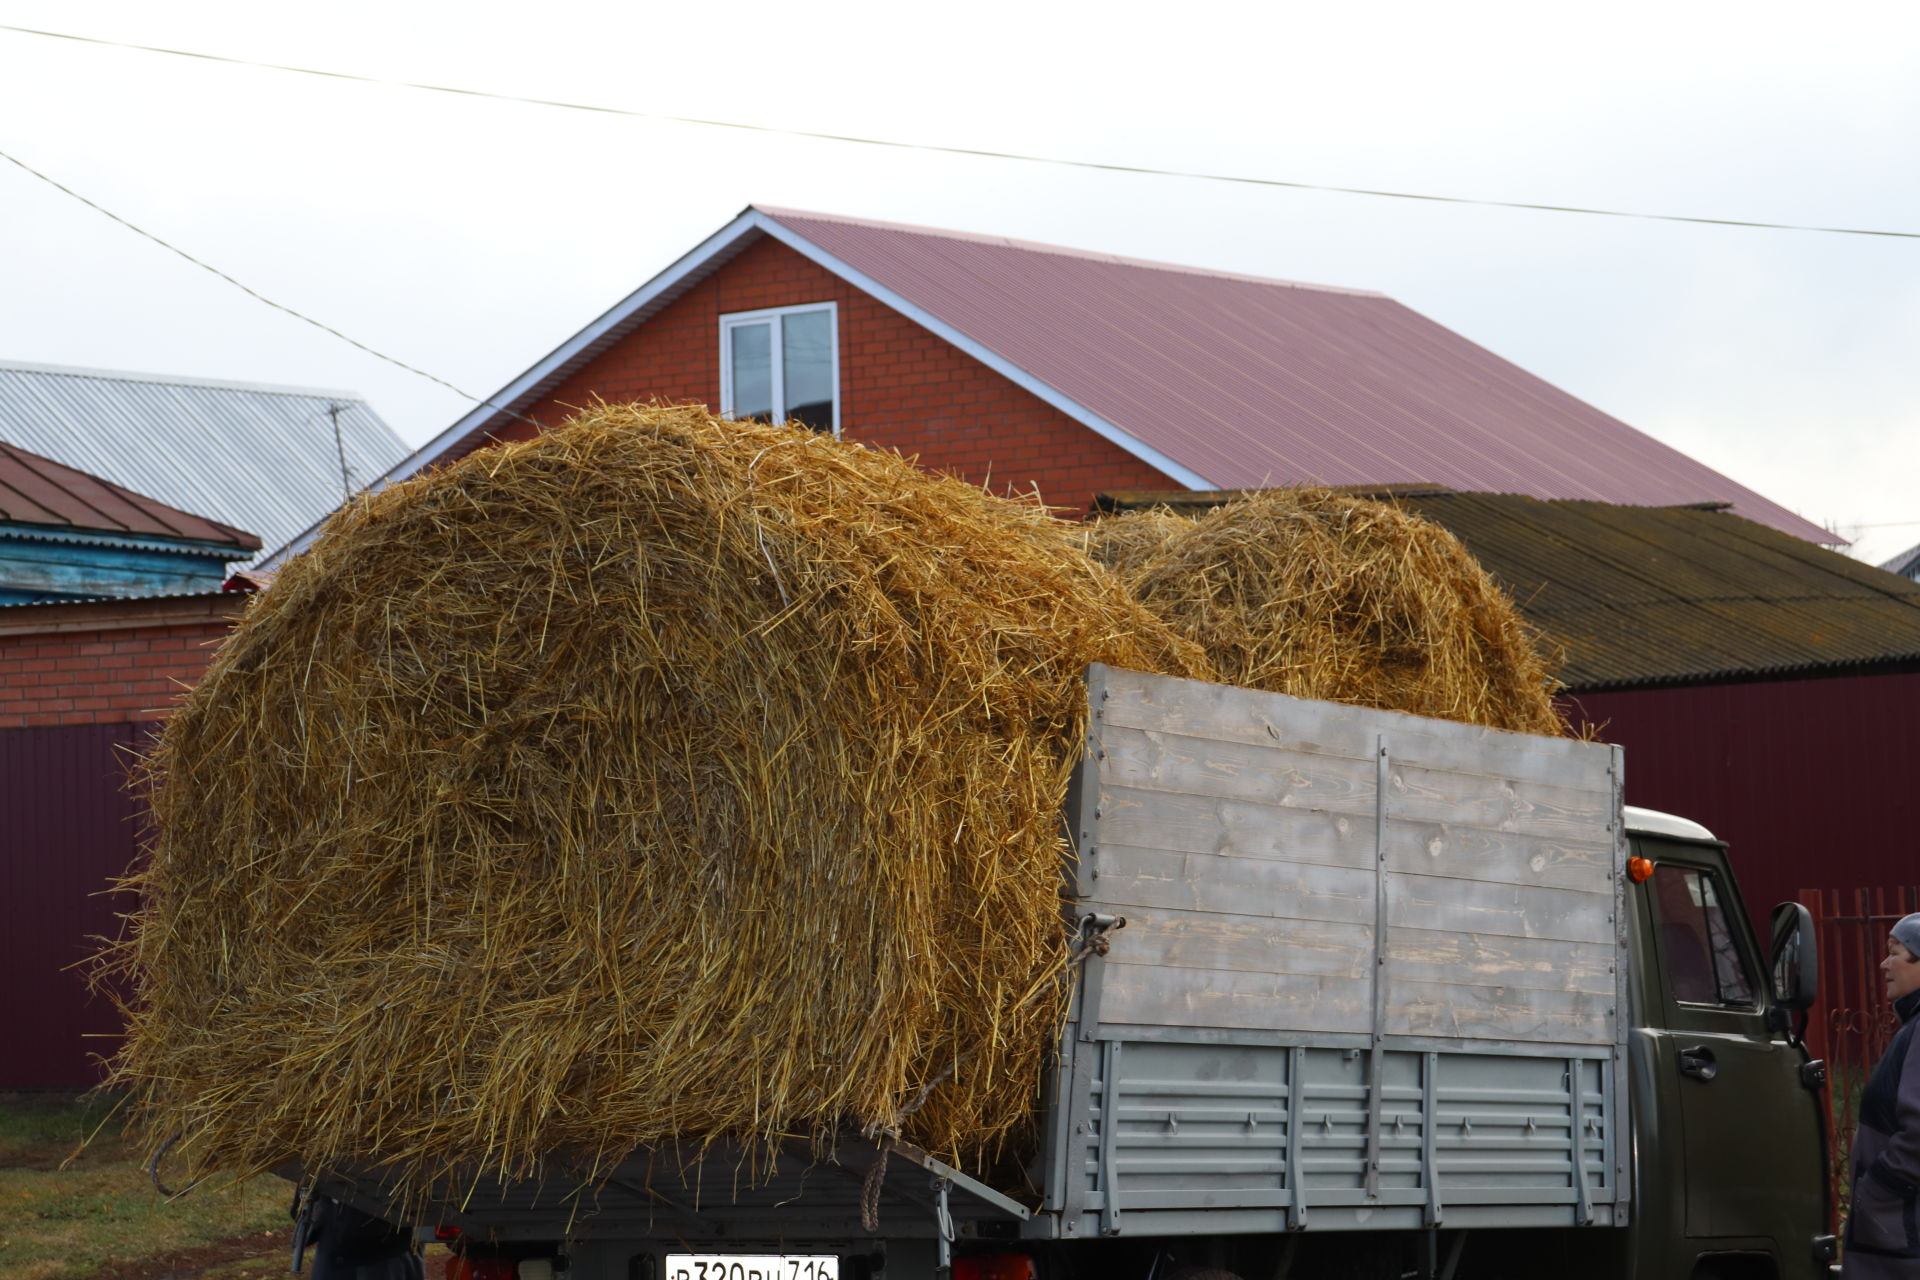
<point x="1728" y="1132"/>
<point x="1730" y="1119"/>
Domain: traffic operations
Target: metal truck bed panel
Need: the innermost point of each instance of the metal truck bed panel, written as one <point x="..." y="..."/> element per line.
<point x="1372" y="964"/>
<point x="1176" y="1129"/>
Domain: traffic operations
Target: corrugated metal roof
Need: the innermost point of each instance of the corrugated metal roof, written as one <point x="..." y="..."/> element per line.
<point x="1906" y="564"/>
<point x="39" y="491"/>
<point x="1661" y="595"/>
<point x="258" y="458"/>
<point x="1252" y="382"/>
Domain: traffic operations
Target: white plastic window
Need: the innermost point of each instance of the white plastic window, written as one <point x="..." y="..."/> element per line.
<point x="782" y="364"/>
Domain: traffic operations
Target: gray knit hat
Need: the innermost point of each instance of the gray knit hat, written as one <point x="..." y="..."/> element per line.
<point x="1907" y="933"/>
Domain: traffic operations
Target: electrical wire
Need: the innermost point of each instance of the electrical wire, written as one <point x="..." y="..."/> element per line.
<point x="977" y="152"/>
<point x="251" y="293"/>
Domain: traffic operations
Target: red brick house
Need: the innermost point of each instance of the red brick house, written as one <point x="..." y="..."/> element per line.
<point x="1036" y="367"/>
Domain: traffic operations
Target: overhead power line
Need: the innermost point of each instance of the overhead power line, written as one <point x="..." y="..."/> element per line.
<point x="258" y="297"/>
<point x="252" y="293"/>
<point x="978" y="152"/>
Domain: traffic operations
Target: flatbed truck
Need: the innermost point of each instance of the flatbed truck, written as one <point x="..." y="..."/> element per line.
<point x="1362" y="994"/>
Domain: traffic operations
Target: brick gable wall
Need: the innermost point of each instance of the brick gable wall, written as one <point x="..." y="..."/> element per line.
<point x="901" y="387"/>
<point x="132" y="667"/>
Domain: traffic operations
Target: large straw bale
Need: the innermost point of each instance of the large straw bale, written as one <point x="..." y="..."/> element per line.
<point x="661" y="777"/>
<point x="1319" y="595"/>
<point x="1125" y="542"/>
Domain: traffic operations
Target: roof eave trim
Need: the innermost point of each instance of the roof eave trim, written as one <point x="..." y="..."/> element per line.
<point x="506" y="402"/>
<point x="199" y="548"/>
<point x="1012" y="372"/>
<point x="1737" y="675"/>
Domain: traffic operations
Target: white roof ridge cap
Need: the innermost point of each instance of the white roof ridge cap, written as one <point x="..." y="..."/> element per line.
<point x="181" y="380"/>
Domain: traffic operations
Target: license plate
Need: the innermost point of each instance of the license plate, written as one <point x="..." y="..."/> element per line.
<point x="752" y="1266"/>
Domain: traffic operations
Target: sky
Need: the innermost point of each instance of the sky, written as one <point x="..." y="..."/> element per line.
<point x="468" y="237"/>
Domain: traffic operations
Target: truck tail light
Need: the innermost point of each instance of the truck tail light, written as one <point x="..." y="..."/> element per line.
<point x="995" y="1266"/>
<point x="461" y="1267"/>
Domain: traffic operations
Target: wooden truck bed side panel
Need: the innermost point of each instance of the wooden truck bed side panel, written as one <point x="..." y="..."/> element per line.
<point x="1239" y="833"/>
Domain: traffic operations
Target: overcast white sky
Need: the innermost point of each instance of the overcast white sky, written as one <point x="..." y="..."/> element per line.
<point x="469" y="237"/>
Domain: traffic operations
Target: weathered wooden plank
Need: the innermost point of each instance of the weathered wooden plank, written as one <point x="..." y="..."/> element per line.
<point x="1227" y="713"/>
<point x="1179" y="764"/>
<point x="1498" y="1013"/>
<point x="1126" y="879"/>
<point x="1492" y="960"/>
<point x="1514" y="911"/>
<point x="1150" y="995"/>
<point x="1497" y="804"/>
<point x="1157" y="761"/>
<point x="1240" y="828"/>
<point x="1505" y="857"/>
<point x="1243" y="943"/>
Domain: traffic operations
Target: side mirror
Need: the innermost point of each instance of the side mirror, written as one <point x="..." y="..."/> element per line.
<point x="1793" y="961"/>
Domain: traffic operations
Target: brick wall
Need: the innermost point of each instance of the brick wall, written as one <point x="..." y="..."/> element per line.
<point x="901" y="387"/>
<point x="106" y="662"/>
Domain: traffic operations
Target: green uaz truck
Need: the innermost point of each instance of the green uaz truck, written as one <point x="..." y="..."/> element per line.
<point x="1357" y="994"/>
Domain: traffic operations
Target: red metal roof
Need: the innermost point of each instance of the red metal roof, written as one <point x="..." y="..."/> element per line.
<point x="1250" y="382"/>
<point x="40" y="491"/>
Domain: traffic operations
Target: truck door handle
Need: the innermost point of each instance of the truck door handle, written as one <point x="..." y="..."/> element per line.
<point x="1698" y="1062"/>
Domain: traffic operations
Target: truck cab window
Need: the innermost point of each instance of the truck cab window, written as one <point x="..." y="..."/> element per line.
<point x="1703" y="961"/>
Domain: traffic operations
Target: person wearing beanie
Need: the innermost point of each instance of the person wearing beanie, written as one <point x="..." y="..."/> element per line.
<point x="1883" y="1220"/>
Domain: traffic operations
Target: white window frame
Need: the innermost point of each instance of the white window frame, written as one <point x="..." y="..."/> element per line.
<point x="777" y="315"/>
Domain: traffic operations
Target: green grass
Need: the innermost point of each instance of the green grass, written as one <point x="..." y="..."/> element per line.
<point x="72" y="1214"/>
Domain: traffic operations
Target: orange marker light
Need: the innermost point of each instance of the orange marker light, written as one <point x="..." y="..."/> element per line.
<point x="1638" y="868"/>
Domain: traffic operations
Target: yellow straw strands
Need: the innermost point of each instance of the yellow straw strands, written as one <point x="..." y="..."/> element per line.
<point x="1307" y="592"/>
<point x="658" y="778"/>
<point x="1125" y="543"/>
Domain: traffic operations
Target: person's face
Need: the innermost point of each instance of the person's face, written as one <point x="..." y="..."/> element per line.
<point x="1902" y="970"/>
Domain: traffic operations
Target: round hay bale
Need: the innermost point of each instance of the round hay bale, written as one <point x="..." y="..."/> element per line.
<point x="1307" y="592"/>
<point x="1126" y="541"/>
<point x="660" y="777"/>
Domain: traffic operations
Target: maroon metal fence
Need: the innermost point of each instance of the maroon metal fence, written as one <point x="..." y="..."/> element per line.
<point x="67" y="828"/>
<point x="1853" y="1021"/>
